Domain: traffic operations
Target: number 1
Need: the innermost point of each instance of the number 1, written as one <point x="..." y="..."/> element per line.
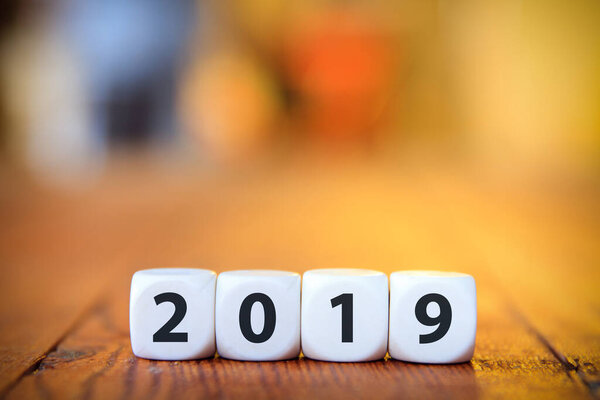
<point x="347" y="323"/>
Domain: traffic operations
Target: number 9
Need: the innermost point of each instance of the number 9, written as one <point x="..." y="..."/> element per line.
<point x="443" y="320"/>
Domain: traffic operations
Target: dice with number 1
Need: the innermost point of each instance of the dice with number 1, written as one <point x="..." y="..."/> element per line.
<point x="433" y="316"/>
<point x="344" y="314"/>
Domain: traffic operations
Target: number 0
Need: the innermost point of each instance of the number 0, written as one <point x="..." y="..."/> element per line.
<point x="270" y="317"/>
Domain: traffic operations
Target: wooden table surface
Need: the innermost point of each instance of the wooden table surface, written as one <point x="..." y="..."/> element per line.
<point x="67" y="257"/>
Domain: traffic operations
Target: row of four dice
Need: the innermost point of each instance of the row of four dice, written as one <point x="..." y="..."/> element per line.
<point x="339" y="315"/>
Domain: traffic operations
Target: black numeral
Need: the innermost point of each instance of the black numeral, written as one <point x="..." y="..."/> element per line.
<point x="245" y="324"/>
<point x="346" y="300"/>
<point x="443" y="320"/>
<point x="164" y="334"/>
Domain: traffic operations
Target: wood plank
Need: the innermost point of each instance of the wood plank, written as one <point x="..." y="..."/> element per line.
<point x="34" y="320"/>
<point x="350" y="217"/>
<point x="548" y="254"/>
<point x="391" y="227"/>
<point x="58" y="250"/>
<point x="96" y="362"/>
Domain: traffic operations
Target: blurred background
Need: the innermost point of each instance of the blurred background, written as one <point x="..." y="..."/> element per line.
<point x="225" y="134"/>
<point x="511" y="86"/>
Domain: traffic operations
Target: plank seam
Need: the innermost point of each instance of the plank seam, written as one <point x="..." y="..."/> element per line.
<point x="35" y="365"/>
<point x="592" y="387"/>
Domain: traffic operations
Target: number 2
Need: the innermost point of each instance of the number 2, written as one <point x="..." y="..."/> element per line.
<point x="345" y="300"/>
<point x="165" y="333"/>
<point x="443" y="320"/>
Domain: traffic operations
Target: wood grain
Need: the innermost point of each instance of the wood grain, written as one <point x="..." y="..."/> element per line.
<point x="95" y="361"/>
<point x="72" y="256"/>
<point x="554" y="294"/>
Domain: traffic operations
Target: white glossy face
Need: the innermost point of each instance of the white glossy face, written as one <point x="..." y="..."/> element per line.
<point x="258" y="272"/>
<point x="258" y="315"/>
<point x="184" y="296"/>
<point x="344" y="315"/>
<point x="433" y="316"/>
<point x="431" y="273"/>
<point x="343" y="272"/>
<point x="170" y="271"/>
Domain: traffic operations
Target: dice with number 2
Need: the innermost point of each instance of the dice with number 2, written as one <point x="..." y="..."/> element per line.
<point x="171" y="313"/>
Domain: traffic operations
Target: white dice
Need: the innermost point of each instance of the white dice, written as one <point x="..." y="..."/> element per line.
<point x="433" y="316"/>
<point x="171" y="313"/>
<point x="258" y="315"/>
<point x="344" y="314"/>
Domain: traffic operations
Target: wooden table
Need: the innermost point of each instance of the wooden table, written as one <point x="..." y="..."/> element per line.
<point x="67" y="259"/>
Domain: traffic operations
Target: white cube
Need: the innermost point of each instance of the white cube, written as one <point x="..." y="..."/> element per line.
<point x="171" y="313"/>
<point x="433" y="316"/>
<point x="344" y="314"/>
<point x="258" y="315"/>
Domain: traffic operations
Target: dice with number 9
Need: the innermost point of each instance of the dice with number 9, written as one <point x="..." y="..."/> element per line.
<point x="433" y="316"/>
<point x="171" y="313"/>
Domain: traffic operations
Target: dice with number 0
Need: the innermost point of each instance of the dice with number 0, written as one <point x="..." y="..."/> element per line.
<point x="258" y="315"/>
<point x="344" y="314"/>
<point x="171" y="313"/>
<point x="433" y="316"/>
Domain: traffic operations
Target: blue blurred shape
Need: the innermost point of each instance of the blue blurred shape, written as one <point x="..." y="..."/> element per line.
<point x="131" y="51"/>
